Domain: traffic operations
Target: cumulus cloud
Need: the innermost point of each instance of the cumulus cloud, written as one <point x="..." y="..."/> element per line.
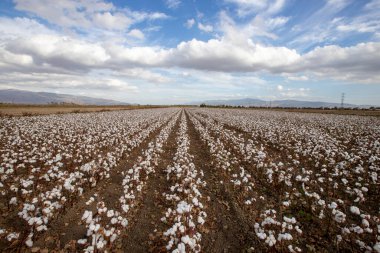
<point x="85" y="15"/>
<point x="205" y="28"/>
<point x="298" y="78"/>
<point x="11" y="28"/>
<point x="143" y="74"/>
<point x="224" y="55"/>
<point x="294" y="93"/>
<point x="63" y="81"/>
<point x="357" y="63"/>
<point x="136" y="33"/>
<point x="116" y="21"/>
<point x="60" y="51"/>
<point x="28" y="46"/>
<point x="190" y="23"/>
<point x="264" y="7"/>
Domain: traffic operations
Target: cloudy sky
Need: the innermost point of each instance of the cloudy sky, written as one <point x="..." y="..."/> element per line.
<point x="177" y="51"/>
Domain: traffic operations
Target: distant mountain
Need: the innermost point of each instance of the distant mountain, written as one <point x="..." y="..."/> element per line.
<point x="274" y="103"/>
<point x="29" y="97"/>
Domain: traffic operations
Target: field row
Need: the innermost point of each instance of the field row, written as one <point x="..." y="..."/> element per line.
<point x="189" y="181"/>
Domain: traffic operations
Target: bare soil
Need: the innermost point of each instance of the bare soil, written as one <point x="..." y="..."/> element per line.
<point x="30" y="110"/>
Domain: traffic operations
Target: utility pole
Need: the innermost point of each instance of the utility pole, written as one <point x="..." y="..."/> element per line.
<point x="342" y="101"/>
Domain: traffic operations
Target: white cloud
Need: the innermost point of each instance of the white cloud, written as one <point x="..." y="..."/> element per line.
<point x="60" y="51"/>
<point x="67" y="13"/>
<point x="189" y="23"/>
<point x="11" y="28"/>
<point x="172" y="4"/>
<point x="264" y="7"/>
<point x="319" y="27"/>
<point x="142" y="74"/>
<point x="136" y="33"/>
<point x="280" y="87"/>
<point x="205" y="28"/>
<point x="45" y="51"/>
<point x="85" y="15"/>
<point x="255" y="28"/>
<point x="63" y="81"/>
<point x="116" y="21"/>
<point x="298" y="78"/>
<point x="295" y="93"/>
<point x="225" y="55"/>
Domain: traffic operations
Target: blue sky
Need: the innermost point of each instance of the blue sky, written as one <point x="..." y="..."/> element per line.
<point x="176" y="51"/>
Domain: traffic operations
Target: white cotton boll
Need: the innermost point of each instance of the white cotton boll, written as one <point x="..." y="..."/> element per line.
<point x="290" y="220"/>
<point x="100" y="245"/>
<point x="125" y="208"/>
<point x="185" y="239"/>
<point x="201" y="220"/>
<point x="286" y="203"/>
<point x="290" y="248"/>
<point x="29" y="243"/>
<point x="333" y="205"/>
<point x="110" y="213"/>
<point x="285" y="236"/>
<point x="13" y="201"/>
<point x="339" y="216"/>
<point x="358" y="230"/>
<point x="183" y="207"/>
<point x="377" y="247"/>
<point x="92" y="227"/>
<point x="365" y="223"/>
<point x="355" y="210"/>
<point x="261" y="235"/>
<point x="12" y="236"/>
<point x="82" y="241"/>
<point x="181" y="248"/>
<point x="124" y="222"/>
<point x="113" y="237"/>
<point x="87" y="216"/>
<point x="114" y="220"/>
<point x="41" y="228"/>
<point x="321" y="202"/>
<point x="299" y="231"/>
<point x="31" y="221"/>
<point x="270" y="240"/>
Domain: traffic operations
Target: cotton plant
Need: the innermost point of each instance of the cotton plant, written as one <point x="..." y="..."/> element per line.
<point x="106" y="225"/>
<point x="186" y="214"/>
<point x="49" y="161"/>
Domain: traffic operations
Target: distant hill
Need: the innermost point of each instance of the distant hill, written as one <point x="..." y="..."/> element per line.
<point x="29" y="97"/>
<point x="274" y="103"/>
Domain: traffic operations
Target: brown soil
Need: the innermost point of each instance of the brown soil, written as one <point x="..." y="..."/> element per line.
<point x="139" y="236"/>
<point x="68" y="228"/>
<point x="226" y="228"/>
<point x="29" y="110"/>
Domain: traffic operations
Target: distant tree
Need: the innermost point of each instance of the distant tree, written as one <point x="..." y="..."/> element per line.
<point x="203" y="105"/>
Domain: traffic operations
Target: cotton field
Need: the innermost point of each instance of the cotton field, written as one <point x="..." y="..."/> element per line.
<point x="190" y="180"/>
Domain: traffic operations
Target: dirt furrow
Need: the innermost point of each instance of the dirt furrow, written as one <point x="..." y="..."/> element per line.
<point x="227" y="230"/>
<point x="139" y="236"/>
<point x="67" y="229"/>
